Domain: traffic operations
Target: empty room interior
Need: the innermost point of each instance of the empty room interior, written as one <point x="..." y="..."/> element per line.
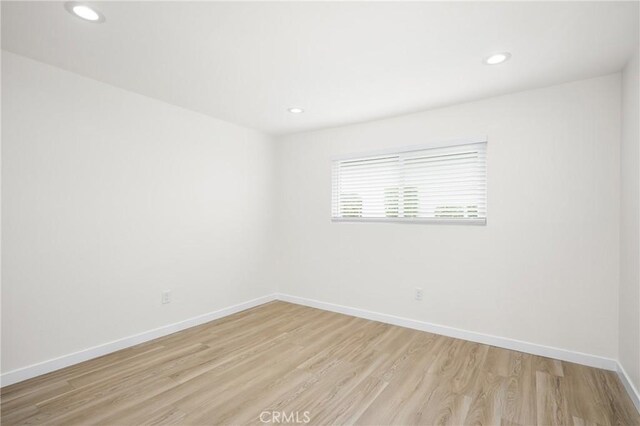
<point x="323" y="213"/>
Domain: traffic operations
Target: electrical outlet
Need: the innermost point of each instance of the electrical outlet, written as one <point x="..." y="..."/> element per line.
<point x="418" y="293"/>
<point x="166" y="296"/>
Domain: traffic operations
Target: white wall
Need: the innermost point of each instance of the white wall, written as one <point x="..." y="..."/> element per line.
<point x="544" y="270"/>
<point x="629" y="225"/>
<point x="111" y="197"/>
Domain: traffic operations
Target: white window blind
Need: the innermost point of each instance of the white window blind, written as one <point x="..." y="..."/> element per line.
<point x="443" y="184"/>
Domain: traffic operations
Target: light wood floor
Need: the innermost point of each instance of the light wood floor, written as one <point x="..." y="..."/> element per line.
<point x="341" y="370"/>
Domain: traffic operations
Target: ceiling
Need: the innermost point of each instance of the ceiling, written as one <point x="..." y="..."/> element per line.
<point x="343" y="62"/>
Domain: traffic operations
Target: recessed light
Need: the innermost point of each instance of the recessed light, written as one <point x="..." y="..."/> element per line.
<point x="83" y="11"/>
<point x="497" y="58"/>
<point x="295" y="110"/>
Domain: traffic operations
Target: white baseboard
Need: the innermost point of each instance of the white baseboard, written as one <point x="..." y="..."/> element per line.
<point x="34" y="370"/>
<point x="633" y="392"/>
<point x="501" y="342"/>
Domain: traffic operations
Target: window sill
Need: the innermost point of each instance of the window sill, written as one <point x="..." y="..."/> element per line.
<point x="480" y="221"/>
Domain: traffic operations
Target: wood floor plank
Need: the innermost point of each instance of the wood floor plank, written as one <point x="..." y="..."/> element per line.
<point x="584" y="396"/>
<point x="613" y="393"/>
<point x="349" y="408"/>
<point x="519" y="392"/>
<point x="405" y="393"/>
<point x="577" y="421"/>
<point x="487" y="402"/>
<point x="549" y="366"/>
<point x="286" y="359"/>
<point x="551" y="405"/>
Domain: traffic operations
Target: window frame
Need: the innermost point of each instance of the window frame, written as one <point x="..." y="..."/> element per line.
<point x="403" y="150"/>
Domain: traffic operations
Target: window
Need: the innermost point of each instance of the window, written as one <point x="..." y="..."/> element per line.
<point x="440" y="184"/>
